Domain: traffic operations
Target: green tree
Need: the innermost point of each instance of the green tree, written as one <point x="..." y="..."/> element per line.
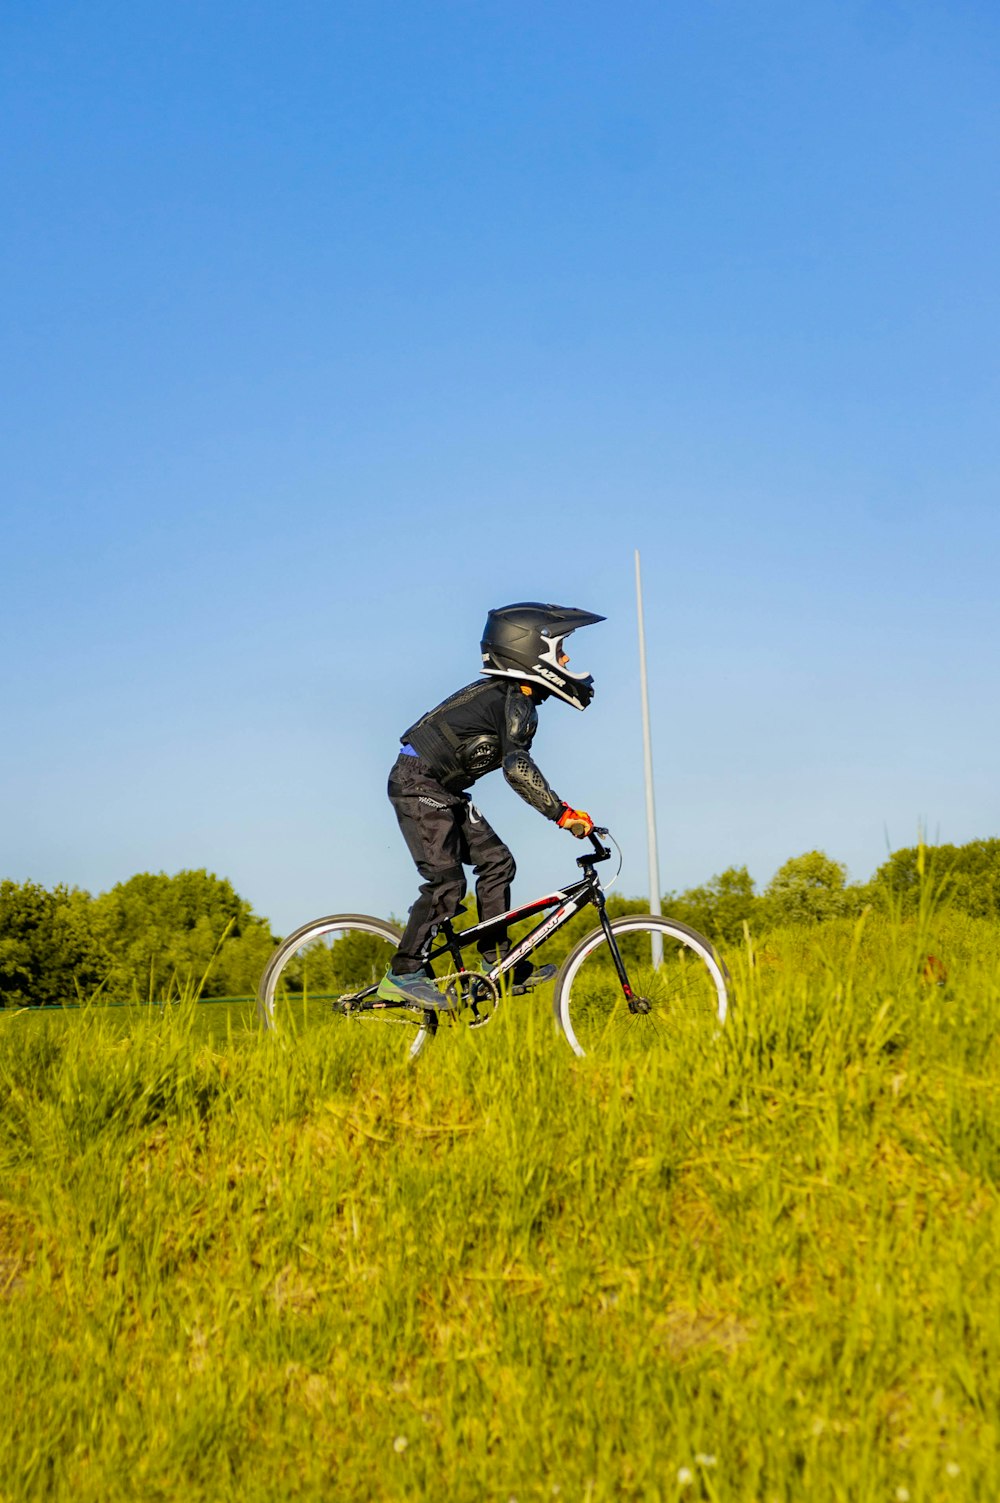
<point x="24" y="911"/>
<point x="49" y="951"/>
<point x="720" y="907"/>
<point x="165" y="934"/>
<point x="807" y="889"/>
<point x="966" y="876"/>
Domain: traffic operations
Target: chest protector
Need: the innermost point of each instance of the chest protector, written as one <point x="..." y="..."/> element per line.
<point x="457" y="753"/>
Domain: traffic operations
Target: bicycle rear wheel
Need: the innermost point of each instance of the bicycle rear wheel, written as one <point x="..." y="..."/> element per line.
<point x="686" y="992"/>
<point x="330" y="968"/>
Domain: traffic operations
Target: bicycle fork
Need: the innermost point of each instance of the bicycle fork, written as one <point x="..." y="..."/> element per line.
<point x="635" y="1004"/>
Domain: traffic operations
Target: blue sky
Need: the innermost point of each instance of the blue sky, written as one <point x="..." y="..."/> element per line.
<point x="328" y="326"/>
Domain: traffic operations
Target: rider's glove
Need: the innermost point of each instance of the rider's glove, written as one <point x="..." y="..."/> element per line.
<point x="577" y="821"/>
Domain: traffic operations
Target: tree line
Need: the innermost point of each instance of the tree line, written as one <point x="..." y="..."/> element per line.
<point x="813" y="888"/>
<point x="147" y="940"/>
<point x="154" y="937"/>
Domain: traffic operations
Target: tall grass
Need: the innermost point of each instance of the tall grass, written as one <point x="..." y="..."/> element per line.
<point x="756" y="1267"/>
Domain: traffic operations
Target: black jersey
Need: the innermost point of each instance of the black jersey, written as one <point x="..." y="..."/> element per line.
<point x="486" y="725"/>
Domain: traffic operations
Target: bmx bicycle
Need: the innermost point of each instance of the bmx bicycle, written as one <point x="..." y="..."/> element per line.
<point x="632" y="979"/>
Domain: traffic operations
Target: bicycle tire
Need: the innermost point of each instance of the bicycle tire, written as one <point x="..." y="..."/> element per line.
<point x="286" y="980"/>
<point x="688" y="990"/>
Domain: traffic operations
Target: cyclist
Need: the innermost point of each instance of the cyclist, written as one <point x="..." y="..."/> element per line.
<point x="487" y="725"/>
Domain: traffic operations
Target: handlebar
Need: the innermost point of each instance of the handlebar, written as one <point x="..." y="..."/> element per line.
<point x="601" y="851"/>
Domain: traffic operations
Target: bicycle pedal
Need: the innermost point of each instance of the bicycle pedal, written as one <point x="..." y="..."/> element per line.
<point x="538" y="977"/>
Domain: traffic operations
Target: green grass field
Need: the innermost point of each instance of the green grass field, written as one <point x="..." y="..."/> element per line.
<point x="761" y="1265"/>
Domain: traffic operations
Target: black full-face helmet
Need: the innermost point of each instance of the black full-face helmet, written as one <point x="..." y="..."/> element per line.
<point x="525" y="642"/>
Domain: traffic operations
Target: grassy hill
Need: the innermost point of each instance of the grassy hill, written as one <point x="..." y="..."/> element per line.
<point x="756" y="1267"/>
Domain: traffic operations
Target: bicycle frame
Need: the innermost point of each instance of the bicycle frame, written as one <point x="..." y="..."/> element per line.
<point x="587" y="892"/>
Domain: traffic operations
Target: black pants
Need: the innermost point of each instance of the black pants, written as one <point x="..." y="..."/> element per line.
<point x="444" y="832"/>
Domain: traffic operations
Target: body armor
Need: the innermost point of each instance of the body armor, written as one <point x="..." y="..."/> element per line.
<point x="487" y="725"/>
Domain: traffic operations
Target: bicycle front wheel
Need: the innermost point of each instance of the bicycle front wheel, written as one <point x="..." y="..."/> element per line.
<point x="680" y="990"/>
<point x="330" y="968"/>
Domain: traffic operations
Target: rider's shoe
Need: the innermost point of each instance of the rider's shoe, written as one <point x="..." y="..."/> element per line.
<point x="412" y="990"/>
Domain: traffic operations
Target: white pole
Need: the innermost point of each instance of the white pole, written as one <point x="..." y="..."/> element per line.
<point x="647" y="748"/>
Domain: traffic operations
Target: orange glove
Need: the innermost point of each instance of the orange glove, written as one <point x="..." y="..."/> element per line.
<point x="577" y="821"/>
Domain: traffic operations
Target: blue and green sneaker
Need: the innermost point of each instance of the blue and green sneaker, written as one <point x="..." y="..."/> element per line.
<point x="415" y="989"/>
